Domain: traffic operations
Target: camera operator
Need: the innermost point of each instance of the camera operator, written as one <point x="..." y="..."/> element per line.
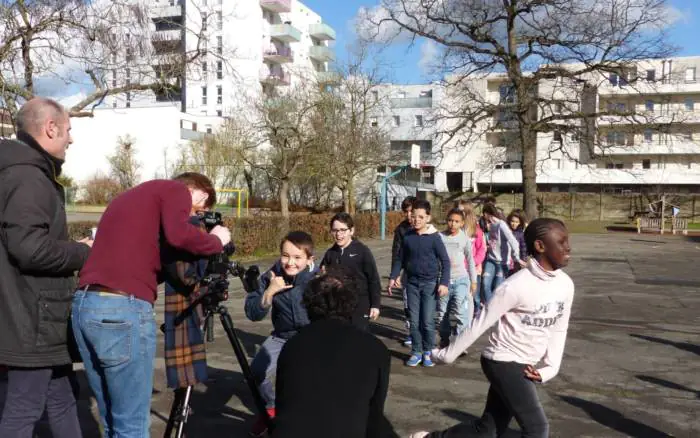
<point x="37" y="267"/>
<point x="281" y="289"/>
<point x="113" y="316"/>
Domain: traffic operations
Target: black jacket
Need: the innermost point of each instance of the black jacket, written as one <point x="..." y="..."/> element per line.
<point x="37" y="259"/>
<point x="323" y="391"/>
<point x="397" y="244"/>
<point x="360" y="258"/>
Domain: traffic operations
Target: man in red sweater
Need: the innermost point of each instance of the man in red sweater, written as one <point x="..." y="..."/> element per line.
<point x="113" y="318"/>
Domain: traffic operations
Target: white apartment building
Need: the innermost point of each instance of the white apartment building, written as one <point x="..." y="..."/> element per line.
<point x="242" y="50"/>
<point x="653" y="144"/>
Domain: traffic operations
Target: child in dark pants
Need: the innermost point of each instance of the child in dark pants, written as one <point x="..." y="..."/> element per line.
<point x="426" y="264"/>
<point x="531" y="311"/>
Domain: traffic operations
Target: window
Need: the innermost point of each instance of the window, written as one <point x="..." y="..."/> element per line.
<point x="558" y="108"/>
<point x="219" y="113"/>
<point x="619" y="166"/>
<point x="219" y="70"/>
<point x="689" y="104"/>
<point x="205" y="46"/>
<point x="646" y="164"/>
<point x="373" y="122"/>
<point x="613" y="78"/>
<point x="219" y="95"/>
<point x="204" y="21"/>
<point x="129" y="54"/>
<point x="375" y="95"/>
<point x="651" y="75"/>
<point x="649" y="105"/>
<point x="506" y="93"/>
<point x="219" y="20"/>
<point x="620" y="107"/>
<point x="204" y="69"/>
<point x="690" y="74"/>
<point x="557" y="137"/>
<point x="419" y="120"/>
<point x="114" y="78"/>
<point x="127" y="74"/>
<point x="609" y="166"/>
<point x="209" y="130"/>
<point x="219" y="45"/>
<point x="648" y="135"/>
<point x="128" y="99"/>
<point x="396" y="121"/>
<point x="114" y="103"/>
<point x="688" y="136"/>
<point x="204" y="95"/>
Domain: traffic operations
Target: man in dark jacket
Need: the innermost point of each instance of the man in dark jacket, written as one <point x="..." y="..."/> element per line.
<point x="396" y="246"/>
<point x="37" y="266"/>
<point x="281" y="290"/>
<point x="350" y="252"/>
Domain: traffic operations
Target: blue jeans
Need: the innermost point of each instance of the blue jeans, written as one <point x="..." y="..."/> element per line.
<point x="494" y="274"/>
<point x="421" y="295"/>
<point x="116" y="337"/>
<point x="458" y="303"/>
<point x="264" y="368"/>
<point x="477" y="294"/>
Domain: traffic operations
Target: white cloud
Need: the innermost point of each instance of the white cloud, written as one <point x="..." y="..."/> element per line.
<point x="375" y="24"/>
<point x="429" y="55"/>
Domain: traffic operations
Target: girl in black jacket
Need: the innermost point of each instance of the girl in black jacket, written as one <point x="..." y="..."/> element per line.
<point x="351" y="252"/>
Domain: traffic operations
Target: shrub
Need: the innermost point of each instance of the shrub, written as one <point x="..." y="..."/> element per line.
<point x="261" y="235"/>
<point x="100" y="190"/>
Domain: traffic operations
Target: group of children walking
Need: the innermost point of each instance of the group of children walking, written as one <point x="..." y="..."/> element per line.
<point x="464" y="264"/>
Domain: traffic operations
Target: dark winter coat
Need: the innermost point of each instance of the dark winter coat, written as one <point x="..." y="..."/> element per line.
<point x="37" y="259"/>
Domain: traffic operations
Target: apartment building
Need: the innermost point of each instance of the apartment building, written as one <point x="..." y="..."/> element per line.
<point x="648" y="137"/>
<point x="237" y="52"/>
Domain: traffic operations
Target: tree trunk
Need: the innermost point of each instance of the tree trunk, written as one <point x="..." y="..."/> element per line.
<point x="248" y="175"/>
<point x="351" y="201"/>
<point x="284" y="197"/>
<point x="346" y="199"/>
<point x="529" y="174"/>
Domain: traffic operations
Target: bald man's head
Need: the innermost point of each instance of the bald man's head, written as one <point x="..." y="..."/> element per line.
<point x="48" y="123"/>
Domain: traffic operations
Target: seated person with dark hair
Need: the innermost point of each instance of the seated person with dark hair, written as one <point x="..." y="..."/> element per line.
<point x="322" y="389"/>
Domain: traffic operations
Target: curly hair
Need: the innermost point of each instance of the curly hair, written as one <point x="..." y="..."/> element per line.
<point x="332" y="294"/>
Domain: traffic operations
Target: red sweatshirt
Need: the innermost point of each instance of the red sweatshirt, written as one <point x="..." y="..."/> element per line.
<point x="126" y="252"/>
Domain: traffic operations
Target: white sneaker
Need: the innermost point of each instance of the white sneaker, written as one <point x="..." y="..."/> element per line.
<point x="419" y="434"/>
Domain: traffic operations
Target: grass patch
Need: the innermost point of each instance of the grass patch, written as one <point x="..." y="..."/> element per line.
<point x="597" y="227"/>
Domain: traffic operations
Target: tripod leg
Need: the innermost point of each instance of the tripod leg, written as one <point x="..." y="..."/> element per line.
<point x="174" y="412"/>
<point x="184" y="413"/>
<point x="245" y="367"/>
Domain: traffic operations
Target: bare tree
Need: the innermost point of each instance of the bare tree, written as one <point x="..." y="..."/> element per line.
<point x="352" y="137"/>
<point x="124" y="168"/>
<point x="542" y="59"/>
<point x="108" y="47"/>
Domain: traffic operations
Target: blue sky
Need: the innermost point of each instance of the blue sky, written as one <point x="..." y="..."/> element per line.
<point x="340" y="15"/>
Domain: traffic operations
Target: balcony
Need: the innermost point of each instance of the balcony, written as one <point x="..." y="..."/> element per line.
<point x="649" y="88"/>
<point x="275" y="78"/>
<point x="276" y="5"/>
<point x="328" y="77"/>
<point x="188" y="134"/>
<point x="680" y="147"/>
<point x="322" y="31"/>
<point x="278" y="55"/>
<point x="285" y="32"/>
<point x="653" y="117"/>
<point x="167" y="35"/>
<point x="412" y="102"/>
<point x="589" y="175"/>
<point x="165" y="12"/>
<point x="322" y="53"/>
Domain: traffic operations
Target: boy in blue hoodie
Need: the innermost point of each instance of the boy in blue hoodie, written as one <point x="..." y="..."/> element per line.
<point x="281" y="290"/>
<point x="425" y="261"/>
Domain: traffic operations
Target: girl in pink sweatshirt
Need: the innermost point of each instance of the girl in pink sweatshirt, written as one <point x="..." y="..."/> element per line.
<point x="530" y="311"/>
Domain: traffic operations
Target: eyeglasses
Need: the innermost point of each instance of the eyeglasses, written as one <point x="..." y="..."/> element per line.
<point x="340" y="231"/>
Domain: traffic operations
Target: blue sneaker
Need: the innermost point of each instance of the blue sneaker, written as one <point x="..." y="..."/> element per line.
<point x="414" y="361"/>
<point x="408" y="342"/>
<point x="426" y="360"/>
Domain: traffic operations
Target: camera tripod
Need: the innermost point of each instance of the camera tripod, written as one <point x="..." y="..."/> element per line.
<point x="211" y="303"/>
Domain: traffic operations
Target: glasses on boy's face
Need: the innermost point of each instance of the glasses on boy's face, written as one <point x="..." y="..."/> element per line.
<point x="340" y="230"/>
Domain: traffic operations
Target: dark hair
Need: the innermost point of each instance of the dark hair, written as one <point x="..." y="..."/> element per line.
<point x="456" y="211"/>
<point x="407" y="203"/>
<point x="333" y="294"/>
<point x="491" y="210"/>
<point x="538" y="229"/>
<point x="344" y="218"/>
<point x="520" y="216"/>
<point x="422" y="204"/>
<point x="194" y="180"/>
<point x="301" y="240"/>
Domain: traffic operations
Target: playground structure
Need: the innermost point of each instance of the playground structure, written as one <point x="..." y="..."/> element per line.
<point x="655" y="220"/>
<point x="236" y="203"/>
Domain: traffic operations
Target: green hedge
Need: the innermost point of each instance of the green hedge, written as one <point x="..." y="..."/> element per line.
<point x="261" y="235"/>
